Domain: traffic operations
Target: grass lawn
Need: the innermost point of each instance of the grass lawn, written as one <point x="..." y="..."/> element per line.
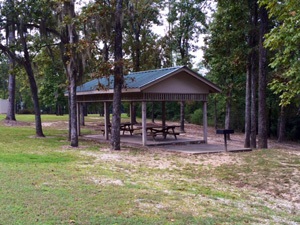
<point x="44" y="181"/>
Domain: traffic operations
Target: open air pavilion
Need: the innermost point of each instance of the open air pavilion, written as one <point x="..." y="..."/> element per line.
<point x="162" y="85"/>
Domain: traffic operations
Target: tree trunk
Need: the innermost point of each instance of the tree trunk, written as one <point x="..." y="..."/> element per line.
<point x="137" y="51"/>
<point x="182" y="115"/>
<point x="262" y="81"/>
<point x="253" y="101"/>
<point x="136" y="54"/>
<point x="11" y="94"/>
<point x="254" y="75"/>
<point x="36" y="105"/>
<point x="228" y="113"/>
<point x="248" y="106"/>
<point x="73" y="109"/>
<point x="136" y="68"/>
<point x="12" y="79"/>
<point x="69" y="107"/>
<point x="215" y="114"/>
<point x="281" y="125"/>
<point x="71" y="66"/>
<point x="33" y="87"/>
<point x="119" y="79"/>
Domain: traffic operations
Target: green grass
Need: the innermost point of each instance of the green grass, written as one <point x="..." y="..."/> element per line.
<point x="43" y="181"/>
<point x="55" y="118"/>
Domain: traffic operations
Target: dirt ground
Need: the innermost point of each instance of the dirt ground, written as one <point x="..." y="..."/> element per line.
<point x="191" y="130"/>
<point x="236" y="139"/>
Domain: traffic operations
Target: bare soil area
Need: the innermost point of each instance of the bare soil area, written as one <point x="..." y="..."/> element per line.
<point x="11" y="123"/>
<point x="282" y="181"/>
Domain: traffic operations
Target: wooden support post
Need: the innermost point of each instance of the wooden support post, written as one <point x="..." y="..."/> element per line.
<point x="106" y="120"/>
<point x="163" y="113"/>
<point x="78" y="118"/>
<point x="144" y="123"/>
<point x="225" y="142"/>
<point x="131" y="114"/>
<point x="205" y="121"/>
<point x="82" y="109"/>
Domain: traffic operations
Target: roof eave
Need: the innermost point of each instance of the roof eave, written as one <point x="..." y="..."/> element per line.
<point x="108" y="91"/>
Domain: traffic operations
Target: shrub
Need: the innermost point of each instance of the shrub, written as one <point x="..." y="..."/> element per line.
<point x="196" y="117"/>
<point x="26" y="111"/>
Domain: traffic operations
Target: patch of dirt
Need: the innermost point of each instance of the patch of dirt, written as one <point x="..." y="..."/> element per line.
<point x="59" y="124"/>
<point x="68" y="147"/>
<point x="283" y="187"/>
<point x="105" y="181"/>
<point x="12" y="123"/>
<point x="196" y="131"/>
<point x="222" y="159"/>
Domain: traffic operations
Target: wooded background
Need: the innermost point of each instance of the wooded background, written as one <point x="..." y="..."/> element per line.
<point x="251" y="51"/>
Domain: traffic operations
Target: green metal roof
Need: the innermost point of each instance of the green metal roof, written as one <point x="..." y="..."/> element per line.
<point x="132" y="80"/>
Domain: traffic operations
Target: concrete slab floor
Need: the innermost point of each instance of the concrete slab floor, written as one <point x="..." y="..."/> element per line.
<point x="181" y="145"/>
<point x="201" y="148"/>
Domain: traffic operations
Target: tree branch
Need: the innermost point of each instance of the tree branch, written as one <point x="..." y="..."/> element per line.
<point x="10" y="54"/>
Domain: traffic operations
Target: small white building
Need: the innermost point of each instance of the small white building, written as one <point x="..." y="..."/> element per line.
<point x="3" y="106"/>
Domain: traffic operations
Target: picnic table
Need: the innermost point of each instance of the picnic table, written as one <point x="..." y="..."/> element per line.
<point x="128" y="127"/>
<point x="125" y="127"/>
<point x="154" y="130"/>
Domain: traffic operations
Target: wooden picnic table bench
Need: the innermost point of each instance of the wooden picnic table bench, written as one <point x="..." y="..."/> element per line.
<point x="156" y="130"/>
<point x="125" y="127"/>
<point x="164" y="130"/>
<point x="128" y="127"/>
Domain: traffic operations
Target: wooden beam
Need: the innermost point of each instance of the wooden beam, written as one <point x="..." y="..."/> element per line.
<point x="138" y="97"/>
<point x="163" y="113"/>
<point x="144" y="123"/>
<point x="131" y="114"/>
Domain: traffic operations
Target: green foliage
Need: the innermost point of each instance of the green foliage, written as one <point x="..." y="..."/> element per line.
<point x="4" y="70"/>
<point x="187" y="22"/>
<point x="31" y="22"/>
<point x="25" y="111"/>
<point x="196" y="117"/>
<point x="52" y="81"/>
<point x="140" y="43"/>
<point x="284" y="41"/>
<point x="225" y="55"/>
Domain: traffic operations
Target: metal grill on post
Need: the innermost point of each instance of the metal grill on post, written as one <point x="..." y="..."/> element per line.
<point x="225" y="132"/>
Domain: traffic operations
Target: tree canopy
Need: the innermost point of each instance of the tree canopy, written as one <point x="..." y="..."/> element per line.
<point x="284" y="41"/>
<point x="251" y="51"/>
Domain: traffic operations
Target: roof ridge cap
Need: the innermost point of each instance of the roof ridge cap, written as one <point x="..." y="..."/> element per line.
<point x="149" y="71"/>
